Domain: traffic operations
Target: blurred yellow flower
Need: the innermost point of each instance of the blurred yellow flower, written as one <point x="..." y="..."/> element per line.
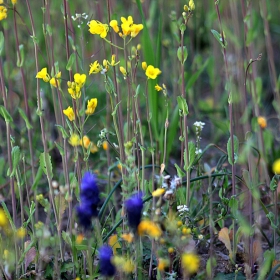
<point x="123" y="71"/>
<point x="14" y="2"/>
<point x="43" y="74"/>
<point x="91" y="105"/>
<point x="262" y="122"/>
<point x="85" y="141"/>
<point x="152" y="72"/>
<point x="21" y="232"/>
<point x="69" y="113"/>
<point x="74" y="140"/>
<point x="55" y="81"/>
<point x="186" y="231"/>
<point x="149" y="228"/>
<point x="191" y="5"/>
<point x="3" y="219"/>
<point x="105" y="145"/>
<point x="96" y="27"/>
<point x="276" y="166"/>
<point x="190" y="263"/>
<point x="162" y="264"/>
<point x="123" y="264"/>
<point x="114" y="25"/>
<point x="79" y="238"/>
<point x="114" y="243"/>
<point x="128" y="237"/>
<point x="3" y="12"/>
<point x="144" y="65"/>
<point x="94" y="68"/>
<point x="158" y="88"/>
<point x="158" y="192"/>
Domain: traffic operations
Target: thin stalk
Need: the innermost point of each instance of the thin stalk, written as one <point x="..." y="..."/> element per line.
<point x="230" y="117"/>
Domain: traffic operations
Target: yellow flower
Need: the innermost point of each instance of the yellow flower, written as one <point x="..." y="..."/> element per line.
<point x="79" y="238"/>
<point x="56" y="80"/>
<point x="158" y="88"/>
<point x="170" y="250"/>
<point x="94" y="68"/>
<point x="21" y="232"/>
<point x="96" y="27"/>
<point x="128" y="237"/>
<point x="135" y="29"/>
<point x="114" y="243"/>
<point x="93" y="148"/>
<point x="74" y="140"/>
<point x="80" y="79"/>
<point x="276" y="166"/>
<point x="122" y="69"/>
<point x="144" y="65"/>
<point x="191" y="5"/>
<point x="162" y="264"/>
<point x="190" y="263"/>
<point x="74" y="89"/>
<point x="92" y="103"/>
<point x="126" y="25"/>
<point x="85" y="141"/>
<point x="158" y="192"/>
<point x="14" y="2"/>
<point x="114" y="25"/>
<point x="3" y="218"/>
<point x="43" y="74"/>
<point x="3" y="12"/>
<point x="105" y="145"/>
<point x="262" y="122"/>
<point x="152" y="72"/>
<point x="150" y="228"/>
<point x="113" y="61"/>
<point x="186" y="231"/>
<point x="69" y="113"/>
<point x="123" y="264"/>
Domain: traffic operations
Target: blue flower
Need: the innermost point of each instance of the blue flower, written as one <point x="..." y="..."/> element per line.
<point x="105" y="264"/>
<point x="89" y="197"/>
<point x="134" y="206"/>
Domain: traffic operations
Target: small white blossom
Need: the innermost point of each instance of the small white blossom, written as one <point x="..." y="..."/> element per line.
<point x="182" y="208"/>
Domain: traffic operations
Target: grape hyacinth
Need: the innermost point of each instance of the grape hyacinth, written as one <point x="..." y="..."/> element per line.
<point x="134" y="206"/>
<point x="105" y="264"/>
<point x="89" y="200"/>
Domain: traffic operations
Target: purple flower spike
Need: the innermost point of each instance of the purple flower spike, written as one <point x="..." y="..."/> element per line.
<point x="106" y="266"/>
<point x="89" y="200"/>
<point x="134" y="206"/>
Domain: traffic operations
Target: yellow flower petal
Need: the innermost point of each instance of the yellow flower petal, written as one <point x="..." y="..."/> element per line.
<point x="190" y="263"/>
<point x="152" y="72"/>
<point x="69" y="113"/>
<point x="113" y="242"/>
<point x="158" y="192"/>
<point x="276" y="166"/>
<point x="74" y="140"/>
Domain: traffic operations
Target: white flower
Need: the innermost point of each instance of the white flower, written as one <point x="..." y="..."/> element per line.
<point x="182" y="208"/>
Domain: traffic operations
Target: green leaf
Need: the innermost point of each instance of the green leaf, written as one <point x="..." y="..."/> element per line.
<point x="7" y="213"/>
<point x="15" y="159"/>
<point x="271" y="218"/>
<point x="37" y="178"/>
<point x="20" y="56"/>
<point x="70" y="61"/>
<point x="229" y="150"/>
<point x="61" y="150"/>
<point x="23" y="115"/>
<point x="46" y="164"/>
<point x="180" y="173"/>
<point x="183" y="106"/>
<point x="1" y="42"/>
<point x="218" y="36"/>
<point x="192" y="148"/>
<point x="182" y="57"/>
<point x="5" y="114"/>
<point x="273" y="183"/>
<point x="115" y="109"/>
<point x="63" y="131"/>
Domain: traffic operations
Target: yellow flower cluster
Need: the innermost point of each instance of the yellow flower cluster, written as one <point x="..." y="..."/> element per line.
<point x="95" y="67"/>
<point x="96" y="27"/>
<point x="123" y="264"/>
<point x="3" y="12"/>
<point x="88" y="144"/>
<point x="54" y="81"/>
<point x="127" y="27"/>
<point x="191" y="6"/>
<point x="74" y="88"/>
<point x="91" y="105"/>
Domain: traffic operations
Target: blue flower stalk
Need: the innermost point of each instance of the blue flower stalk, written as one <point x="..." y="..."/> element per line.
<point x="89" y="197"/>
<point x="107" y="269"/>
<point x="134" y="206"/>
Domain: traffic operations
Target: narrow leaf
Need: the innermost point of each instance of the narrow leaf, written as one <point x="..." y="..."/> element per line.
<point x="229" y="150"/>
<point x="25" y="118"/>
<point x="15" y="159"/>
